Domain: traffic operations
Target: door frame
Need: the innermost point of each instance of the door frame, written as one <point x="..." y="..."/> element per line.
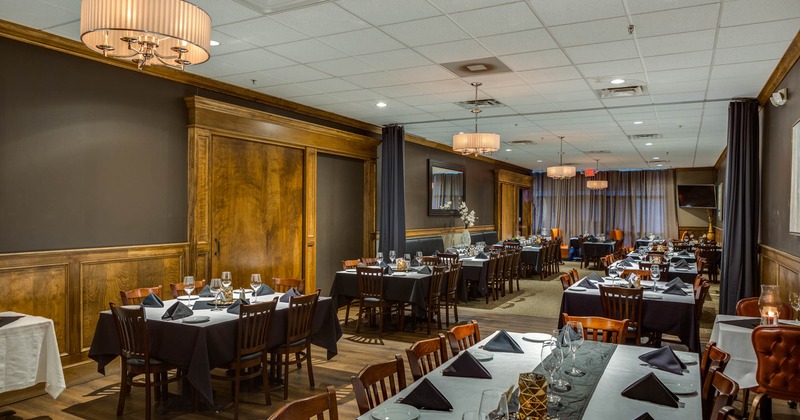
<point x="515" y="180"/>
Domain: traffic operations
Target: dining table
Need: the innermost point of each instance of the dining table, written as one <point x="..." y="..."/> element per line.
<point x="531" y="256"/>
<point x="661" y="312"/>
<point x="686" y="273"/>
<point x="30" y="354"/>
<point x="202" y="346"/>
<point x="592" y="251"/>
<point x="610" y="369"/>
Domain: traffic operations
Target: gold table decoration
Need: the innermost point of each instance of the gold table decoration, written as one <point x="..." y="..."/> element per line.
<point x="532" y="396"/>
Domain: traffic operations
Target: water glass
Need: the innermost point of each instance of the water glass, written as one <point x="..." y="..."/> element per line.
<point x="550" y="364"/>
<point x="216" y="287"/>
<point x="418" y="257"/>
<point x="188" y="287"/>
<point x="379" y="257"/>
<point x="655" y="272"/>
<point x="575" y="331"/>
<point x="392" y="256"/>
<point x="226" y="279"/>
<point x="494" y="405"/>
<point x="255" y="284"/>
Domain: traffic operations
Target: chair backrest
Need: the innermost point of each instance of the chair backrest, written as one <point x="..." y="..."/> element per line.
<point x="597" y="328"/>
<point x="453" y="276"/>
<point x="566" y="281"/>
<point x="315" y="405"/>
<point x="349" y="264"/>
<point x="135" y="296"/>
<point x="499" y="270"/>
<point x="700" y="295"/>
<point x="282" y="285"/>
<point x="616" y="234"/>
<point x="515" y="262"/>
<point x="663" y="269"/>
<point x="575" y="275"/>
<point x="448" y="259"/>
<point x="749" y="307"/>
<point x="430" y="260"/>
<point x="376" y="383"/>
<point x="714" y="357"/>
<point x="426" y="355"/>
<point x="464" y="336"/>
<point x="435" y="287"/>
<point x="722" y="391"/>
<point x="253" y="328"/>
<point x="642" y="274"/>
<point x="623" y="303"/>
<point x="556" y="232"/>
<point x="510" y="244"/>
<point x="777" y="350"/>
<point x="131" y="332"/>
<point x="301" y="317"/>
<point x="491" y="267"/>
<point x="370" y="282"/>
<point x="369" y="261"/>
<point x="178" y="290"/>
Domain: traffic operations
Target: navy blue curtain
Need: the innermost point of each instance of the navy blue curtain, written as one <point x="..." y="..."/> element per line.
<point x="739" y="275"/>
<point x="392" y="222"/>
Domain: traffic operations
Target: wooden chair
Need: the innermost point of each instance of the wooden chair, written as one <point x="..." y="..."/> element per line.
<point x="297" y="342"/>
<point x="461" y="337"/>
<point x="434" y="306"/>
<point x="606" y="262"/>
<point x="369" y="261"/>
<point x="430" y="261"/>
<point x="315" y="405"/>
<point x="597" y="328"/>
<point x="448" y="259"/>
<point x="135" y="358"/>
<point x="712" y="256"/>
<point x="777" y="349"/>
<point x="370" y="291"/>
<point x="508" y="259"/>
<point x="749" y="307"/>
<point x="712" y="359"/>
<point x="700" y="294"/>
<point x="720" y="392"/>
<point x="663" y="270"/>
<point x="135" y="296"/>
<point x="566" y="281"/>
<point x="574" y="275"/>
<point x="544" y="258"/>
<point x="178" y="290"/>
<point x="492" y="282"/>
<point x="349" y="264"/>
<point x="515" y="266"/>
<point x="642" y="274"/>
<point x="426" y="355"/>
<point x="252" y="357"/>
<point x="450" y="298"/>
<point x="282" y="285"/>
<point x="624" y="303"/>
<point x="378" y="382"/>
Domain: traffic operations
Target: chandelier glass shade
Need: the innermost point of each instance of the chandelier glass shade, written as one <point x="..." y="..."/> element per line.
<point x="561" y="171"/>
<point x="476" y="143"/>
<point x="172" y="33"/>
<point x="597" y="184"/>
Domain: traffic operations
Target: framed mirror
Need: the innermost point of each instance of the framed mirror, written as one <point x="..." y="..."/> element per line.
<point x="446" y="184"/>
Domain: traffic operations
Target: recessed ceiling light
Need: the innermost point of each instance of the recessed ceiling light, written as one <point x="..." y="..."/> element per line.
<point x="539" y="160"/>
<point x="214" y="43"/>
<point x="656" y="158"/>
<point x="638" y="122"/>
<point x="660" y="164"/>
<point x="617" y="81"/>
<point x="508" y="150"/>
<point x="648" y="144"/>
<point x="381" y="105"/>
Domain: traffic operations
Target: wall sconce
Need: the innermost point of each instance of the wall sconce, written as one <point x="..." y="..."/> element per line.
<point x="779" y="98"/>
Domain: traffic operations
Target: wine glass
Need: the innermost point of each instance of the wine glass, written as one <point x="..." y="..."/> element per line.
<point x="613" y="271"/>
<point x="418" y="257"/>
<point x="188" y="287"/>
<point x="379" y="257"/>
<point x="563" y="342"/>
<point x="550" y="363"/>
<point x="575" y="331"/>
<point x="494" y="405"/>
<point x="407" y="257"/>
<point x="655" y="272"/>
<point x="794" y="301"/>
<point x="216" y="287"/>
<point x="226" y="279"/>
<point x="255" y="284"/>
<point x="392" y="256"/>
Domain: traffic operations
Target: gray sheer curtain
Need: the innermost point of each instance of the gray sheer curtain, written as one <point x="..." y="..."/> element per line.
<point x="392" y="222"/>
<point x="447" y="187"/>
<point x="638" y="202"/>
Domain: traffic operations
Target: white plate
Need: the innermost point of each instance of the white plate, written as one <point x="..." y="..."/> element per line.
<point x="537" y="337"/>
<point x="196" y="319"/>
<point x="395" y="412"/>
<point x="350" y="270"/>
<point x="399" y="273"/>
<point x="686" y="359"/>
<point x="193" y="297"/>
<point x="577" y="289"/>
<point x="681" y="388"/>
<point x="481" y="355"/>
<point x="653" y="295"/>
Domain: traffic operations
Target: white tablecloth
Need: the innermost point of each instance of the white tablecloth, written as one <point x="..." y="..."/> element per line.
<point x="623" y="369"/>
<point x="29" y="355"/>
<point x="736" y="341"/>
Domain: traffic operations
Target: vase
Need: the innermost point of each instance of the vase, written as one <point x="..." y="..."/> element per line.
<point x="465" y="238"/>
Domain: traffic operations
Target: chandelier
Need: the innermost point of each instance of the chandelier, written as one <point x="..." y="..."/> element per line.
<point x="477" y="143"/>
<point x="597" y="184"/>
<point x="172" y="33"/>
<point x="561" y="171"/>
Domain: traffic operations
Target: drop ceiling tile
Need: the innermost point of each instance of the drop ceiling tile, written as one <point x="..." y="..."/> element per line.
<point x="496" y="80"/>
<point x="677" y="43"/>
<point x="70" y="30"/>
<point x="680" y="20"/>
<point x="453" y="6"/>
<point x="615" y="50"/>
<point x="442" y="107"/>
<point x="384" y="12"/>
<point x="422" y="74"/>
<point x="610" y="68"/>
<point x="73" y="5"/>
<point x="426" y="31"/>
<point x="760" y="33"/>
<point x="571" y="11"/>
<point x="36" y="14"/>
<point x="626" y="102"/>
<point x="215" y="68"/>
<point x="358" y="95"/>
<point x="253" y="80"/>
<point x="330" y="85"/>
<point x="594" y="32"/>
<point x="298" y="73"/>
<point x="497" y="20"/>
<point x="678" y="61"/>
<point x="365" y="41"/>
<point x="681" y="75"/>
<point x="419" y="100"/>
<point x="506" y="92"/>
<point x="396" y="59"/>
<point x="552" y="74"/>
<point x="571" y="96"/>
<point x="536" y="60"/>
<point x="678" y="97"/>
<point x="262" y="32"/>
<point x="317" y="100"/>
<point x="575" y="85"/>
<point x="371" y="80"/>
<point x="757" y="69"/>
<point x="307" y="51"/>
<point x="287" y="91"/>
<point x="223" y="12"/>
<point x="741" y="12"/>
<point x="467" y="49"/>
<point x="257" y="59"/>
<point x="321" y="19"/>
<point x="638" y="7"/>
<point x="573" y="105"/>
<point x="518" y="42"/>
<point x="771" y="51"/>
<point x="347" y="66"/>
<point x="228" y="44"/>
<point x="399" y="92"/>
<point x="677" y="87"/>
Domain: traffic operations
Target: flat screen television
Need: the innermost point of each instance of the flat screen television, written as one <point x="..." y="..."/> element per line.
<point x="700" y="196"/>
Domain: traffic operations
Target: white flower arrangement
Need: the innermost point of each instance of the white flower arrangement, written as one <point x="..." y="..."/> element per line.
<point x="468" y="216"/>
<point x="446" y="206"/>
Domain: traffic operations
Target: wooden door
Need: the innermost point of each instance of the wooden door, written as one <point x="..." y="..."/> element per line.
<point x="256" y="210"/>
<point x="510" y="207"/>
<point x="527" y="212"/>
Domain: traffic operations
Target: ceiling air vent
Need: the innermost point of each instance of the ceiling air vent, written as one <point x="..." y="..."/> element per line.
<point x="481" y="104"/>
<point x="521" y="142"/>
<point x="644" y="136"/>
<point x="597" y="152"/>
<point x="621" y="92"/>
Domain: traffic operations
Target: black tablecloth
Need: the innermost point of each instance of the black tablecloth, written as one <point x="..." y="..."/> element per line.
<point x="530" y="256"/>
<point x="200" y="347"/>
<point x="597" y="249"/>
<point x="473" y="274"/>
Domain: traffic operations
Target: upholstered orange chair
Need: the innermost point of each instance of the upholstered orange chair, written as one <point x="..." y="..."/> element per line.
<point x="777" y="350"/>
<point x="749" y="307"/>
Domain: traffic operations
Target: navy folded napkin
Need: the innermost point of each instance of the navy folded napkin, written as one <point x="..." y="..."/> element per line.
<point x="388" y="270"/>
<point x="451" y="251"/>
<point x="631" y="278"/>
<point x="650" y="388"/>
<point x="177" y="311"/>
<point x="361" y="264"/>
<point x="744" y="323"/>
<point x="628" y="260"/>
<point x="683" y="253"/>
<point x="414" y="262"/>
<point x="467" y="366"/>
<point x="425" y="270"/>
<point x="591" y="238"/>
<point x="481" y="256"/>
<point x="664" y="359"/>
<point x="626" y="263"/>
<point x="681" y="264"/>
<point x="206" y="292"/>
<point x="503" y="342"/>
<point x="674" y="290"/>
<point x="562" y="336"/>
<point x="585" y="283"/>
<point x="5" y="320"/>
<point x="152" y="301"/>
<point x="645" y="416"/>
<point x="289" y="294"/>
<point x="427" y="397"/>
<point x="236" y="306"/>
<point x="676" y="281"/>
<point x="382" y="264"/>
<point x="265" y="290"/>
<point x="594" y="276"/>
<point x="436" y="252"/>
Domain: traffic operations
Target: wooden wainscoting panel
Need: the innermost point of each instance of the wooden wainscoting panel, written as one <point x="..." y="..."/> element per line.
<point x="778" y="267"/>
<point x="40" y="291"/>
<point x="101" y="281"/>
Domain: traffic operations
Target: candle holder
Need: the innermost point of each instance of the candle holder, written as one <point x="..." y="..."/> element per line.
<point x="532" y="396"/>
<point x="769" y="304"/>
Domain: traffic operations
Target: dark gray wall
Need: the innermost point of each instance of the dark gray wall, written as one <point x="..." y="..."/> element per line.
<point x="340" y="215"/>
<point x="776" y="143"/>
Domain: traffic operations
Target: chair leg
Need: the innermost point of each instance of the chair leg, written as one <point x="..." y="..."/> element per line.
<point x="347" y="313"/>
<point x="265" y="379"/>
<point x="358" y="320"/>
<point x="455" y="308"/>
<point x="237" y="384"/>
<point x="123" y="392"/>
<point x="147" y="402"/>
<point x="286" y="378"/>
<point x="299" y="361"/>
<point x="380" y="321"/>
<point x="439" y="315"/>
<point x="310" y="369"/>
<point x="754" y="407"/>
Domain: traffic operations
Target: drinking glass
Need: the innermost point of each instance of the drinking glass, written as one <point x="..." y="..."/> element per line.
<point x="392" y="256"/>
<point x="655" y="272"/>
<point x="563" y="342"/>
<point x="494" y="405"/>
<point x="794" y="301"/>
<point x="226" y="279"/>
<point x="255" y="284"/>
<point x="380" y="257"/>
<point x="575" y="342"/>
<point x="613" y="271"/>
<point x="551" y="364"/>
<point x="188" y="287"/>
<point x="216" y="287"/>
<point x="418" y="257"/>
